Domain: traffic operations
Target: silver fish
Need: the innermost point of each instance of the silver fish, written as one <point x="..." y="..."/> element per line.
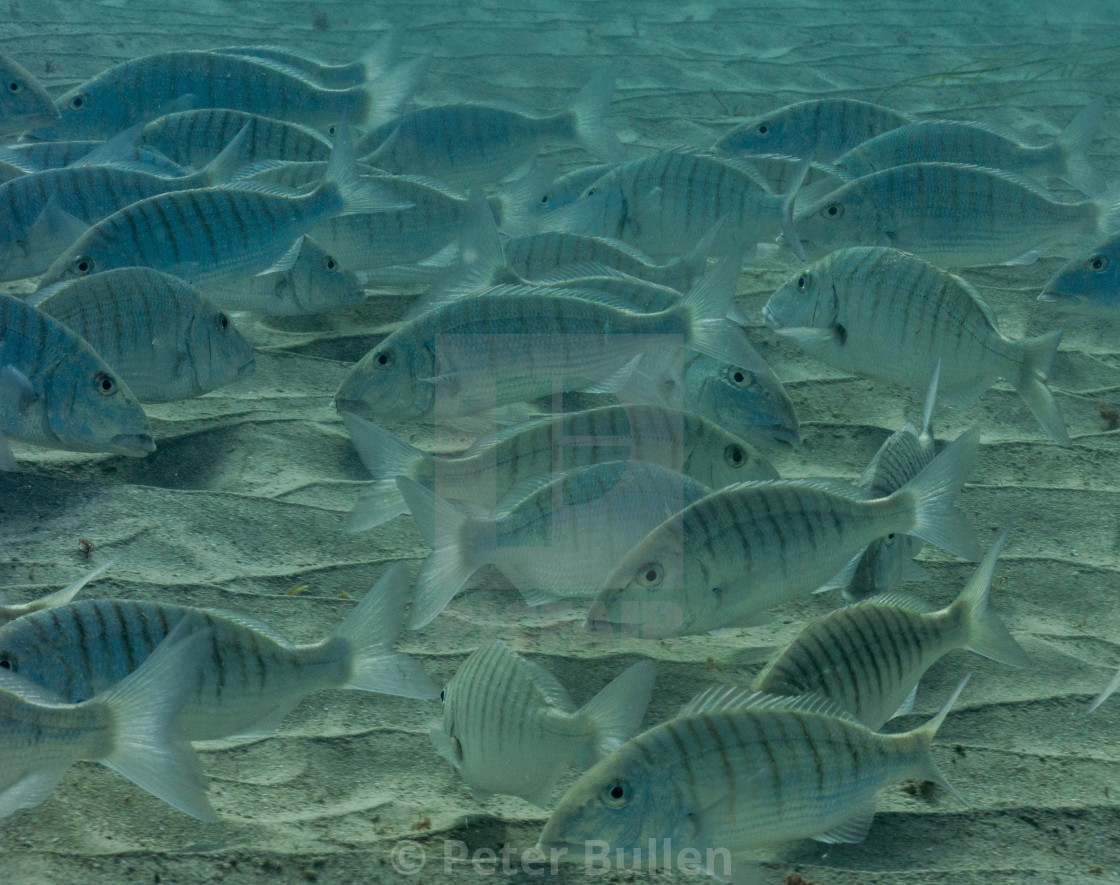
<point x="143" y="88"/>
<point x="524" y="745"/>
<point x="736" y="771"/>
<point x="25" y="103"/>
<point x="752" y="546"/>
<point x="889" y="561"/>
<point x="38" y="156"/>
<point x="249" y="676"/>
<point x="485" y="474"/>
<point x="851" y="308"/>
<point x="869" y="657"/>
<point x="555" y="540"/>
<point x="214" y="234"/>
<point x="950" y="214"/>
<point x="558" y="192"/>
<point x="472" y="144"/>
<point x="947" y="141"/>
<point x="821" y="128"/>
<point x="43" y="213"/>
<point x="132" y="728"/>
<point x="56" y="392"/>
<point x="9" y="612"/>
<point x="1089" y="282"/>
<point x="314" y="282"/>
<point x="516" y="343"/>
<point x="666" y="203"/>
<point x="164" y="339"/>
<point x="194" y="138"/>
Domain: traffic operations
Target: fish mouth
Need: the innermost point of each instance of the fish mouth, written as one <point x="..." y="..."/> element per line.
<point x="769" y="316"/>
<point x="353" y="406"/>
<point x="247" y="367"/>
<point x="137" y="444"/>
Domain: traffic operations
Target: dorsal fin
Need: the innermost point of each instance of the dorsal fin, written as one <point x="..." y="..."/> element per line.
<point x="732" y="698"/>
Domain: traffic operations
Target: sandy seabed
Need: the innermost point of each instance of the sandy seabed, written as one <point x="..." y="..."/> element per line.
<point x="245" y="498"/>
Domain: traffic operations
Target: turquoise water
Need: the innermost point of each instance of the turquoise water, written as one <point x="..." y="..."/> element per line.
<point x="243" y="503"/>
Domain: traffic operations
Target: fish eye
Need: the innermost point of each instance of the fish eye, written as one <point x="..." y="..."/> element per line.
<point x="330" y="264"/>
<point x="734" y="455"/>
<point x="763" y="128"/>
<point x="78" y="102"/>
<point x="105" y="384"/>
<point x="739" y="377"/>
<point x="15" y="87"/>
<point x="384" y="359"/>
<point x="223" y="321"/>
<point x="592" y="191"/>
<point x="83" y="264"/>
<point x="804" y="281"/>
<point x="833" y="210"/>
<point x="546" y="200"/>
<point x="616" y="794"/>
<point x="651" y="575"/>
<point x="1097" y="263"/>
<point x="8" y="662"/>
<point x="442" y="695"/>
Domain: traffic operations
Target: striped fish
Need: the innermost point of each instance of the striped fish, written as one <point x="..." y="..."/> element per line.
<point x="250" y="676"/>
<point x="163" y="338"/>
<point x="680" y="441"/>
<point x="752" y="546"/>
<point x="950" y="214"/>
<point x="888" y="562"/>
<point x="132" y="728"/>
<point x="141" y="89"/>
<point x="314" y="283"/>
<point x="56" y="392"/>
<point x="868" y="658"/>
<point x="557" y="193"/>
<point x="555" y="541"/>
<point x="473" y="144"/>
<point x="38" y="156"/>
<point x="469" y="355"/>
<point x="194" y="138"/>
<point x="43" y="213"/>
<point x="821" y="128"/>
<point x="664" y="205"/>
<point x="851" y="308"/>
<point x="24" y="104"/>
<point x="509" y="726"/>
<point x="208" y="236"/>
<point x="1089" y="282"/>
<point x="946" y="141"/>
<point x="9" y="612"/>
<point x="729" y="774"/>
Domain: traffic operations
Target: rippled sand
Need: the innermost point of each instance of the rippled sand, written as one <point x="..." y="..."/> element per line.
<point x="244" y="500"/>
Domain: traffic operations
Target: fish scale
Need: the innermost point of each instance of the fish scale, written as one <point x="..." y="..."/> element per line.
<point x="194" y="137"/>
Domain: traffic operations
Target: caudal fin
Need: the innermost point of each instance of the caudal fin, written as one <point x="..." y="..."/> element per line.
<point x="616" y="712"/>
<point x="1037" y="358"/>
<point x="923" y="738"/>
<point x="386" y="458"/>
<point x="789" y="233"/>
<point x="391" y="89"/>
<point x="229" y="161"/>
<point x="589" y="110"/>
<point x="707" y="304"/>
<point x="371" y="630"/>
<point x="148" y="745"/>
<point x="933" y="494"/>
<point x="357" y="194"/>
<point x="447" y="567"/>
<point x="1074" y="144"/>
<point x="987" y="634"/>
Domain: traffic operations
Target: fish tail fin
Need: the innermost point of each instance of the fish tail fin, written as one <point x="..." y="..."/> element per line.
<point x="1074" y="145"/>
<point x="588" y="112"/>
<point x="384" y="53"/>
<point x="230" y="160"/>
<point x="616" y="712"/>
<point x="987" y="634"/>
<point x="355" y="193"/>
<point x="447" y="567"/>
<point x="1108" y="692"/>
<point x="371" y="630"/>
<point x="789" y="233"/>
<point x="1037" y="358"/>
<point x="708" y="303"/>
<point x="932" y="495"/>
<point x="386" y="457"/>
<point x="695" y="262"/>
<point x="922" y="738"/>
<point x="1108" y="212"/>
<point x="148" y="745"/>
<point x="391" y="89"/>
